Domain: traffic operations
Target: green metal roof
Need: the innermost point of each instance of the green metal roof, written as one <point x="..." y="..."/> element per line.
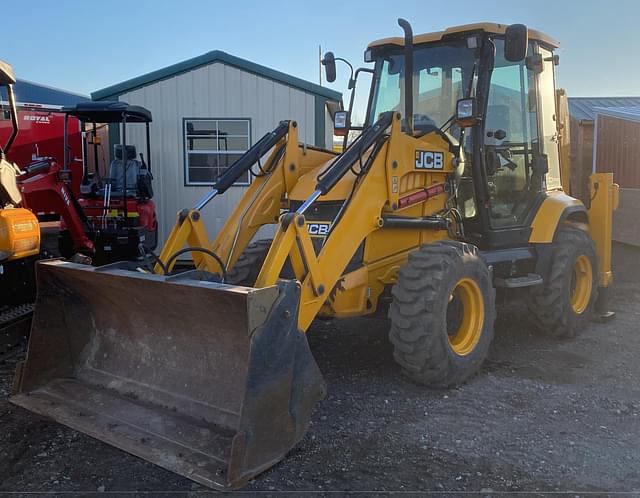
<point x="210" y="58"/>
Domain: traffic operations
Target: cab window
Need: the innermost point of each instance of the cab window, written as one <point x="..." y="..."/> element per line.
<point x="510" y="141"/>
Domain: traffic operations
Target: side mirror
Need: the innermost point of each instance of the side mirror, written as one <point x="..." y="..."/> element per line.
<point x="516" y="41"/>
<point x="329" y="63"/>
<point x="341" y="123"/>
<point x="466" y="113"/>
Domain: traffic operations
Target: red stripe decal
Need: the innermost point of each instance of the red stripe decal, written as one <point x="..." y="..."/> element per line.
<point x="421" y="195"/>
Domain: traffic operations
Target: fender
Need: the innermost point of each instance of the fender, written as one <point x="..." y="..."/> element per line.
<point x="556" y="208"/>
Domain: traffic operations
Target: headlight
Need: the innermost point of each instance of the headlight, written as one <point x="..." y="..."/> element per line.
<point x="368" y="55"/>
<point x="465" y="108"/>
<point x="466" y="113"/>
<point x="341" y="123"/>
<point x="341" y="119"/>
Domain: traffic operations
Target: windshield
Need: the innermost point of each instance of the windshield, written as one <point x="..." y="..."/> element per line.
<point x="442" y="74"/>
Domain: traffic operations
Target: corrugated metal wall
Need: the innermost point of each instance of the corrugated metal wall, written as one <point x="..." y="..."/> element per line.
<point x="213" y="91"/>
<point x="618" y="150"/>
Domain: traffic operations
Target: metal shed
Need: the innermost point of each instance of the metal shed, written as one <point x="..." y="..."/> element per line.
<point x="582" y="111"/>
<point x="616" y="146"/>
<point x="616" y="149"/>
<point x="206" y="112"/>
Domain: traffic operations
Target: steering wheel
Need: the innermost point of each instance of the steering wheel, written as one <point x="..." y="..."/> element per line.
<point x="505" y="153"/>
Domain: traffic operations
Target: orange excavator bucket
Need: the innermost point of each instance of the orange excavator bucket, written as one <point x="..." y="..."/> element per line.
<point x="211" y="381"/>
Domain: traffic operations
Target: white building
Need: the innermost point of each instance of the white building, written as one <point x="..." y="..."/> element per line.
<point x="206" y="112"/>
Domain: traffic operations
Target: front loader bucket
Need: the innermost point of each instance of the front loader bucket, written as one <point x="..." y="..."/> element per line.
<point x="212" y="381"/>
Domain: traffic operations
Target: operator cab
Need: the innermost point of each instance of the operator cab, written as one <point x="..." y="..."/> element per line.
<point x="507" y="142"/>
<point x="137" y="180"/>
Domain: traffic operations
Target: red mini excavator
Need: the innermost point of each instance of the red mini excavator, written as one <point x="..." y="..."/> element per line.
<point x="109" y="215"/>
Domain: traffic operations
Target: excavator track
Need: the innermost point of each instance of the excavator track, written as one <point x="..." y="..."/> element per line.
<point x="14" y="326"/>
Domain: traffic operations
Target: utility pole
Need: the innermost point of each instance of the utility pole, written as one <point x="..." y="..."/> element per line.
<point x="320" y="64"/>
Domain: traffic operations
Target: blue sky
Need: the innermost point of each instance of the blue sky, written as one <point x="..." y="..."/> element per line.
<point x="84" y="46"/>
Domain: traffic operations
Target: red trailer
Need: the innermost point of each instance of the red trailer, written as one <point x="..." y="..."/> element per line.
<point x="42" y="135"/>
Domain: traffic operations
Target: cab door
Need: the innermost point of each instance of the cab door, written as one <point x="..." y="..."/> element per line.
<point x="511" y="142"/>
<point x="549" y="136"/>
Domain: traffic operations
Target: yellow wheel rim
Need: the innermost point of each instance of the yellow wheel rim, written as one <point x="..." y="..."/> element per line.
<point x="581" y="284"/>
<point x="470" y="307"/>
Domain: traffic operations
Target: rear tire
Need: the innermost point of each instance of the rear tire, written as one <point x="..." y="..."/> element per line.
<point x="562" y="305"/>
<point x="442" y="314"/>
<point x="246" y="270"/>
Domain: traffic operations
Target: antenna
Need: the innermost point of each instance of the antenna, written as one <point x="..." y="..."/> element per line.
<point x="320" y="64"/>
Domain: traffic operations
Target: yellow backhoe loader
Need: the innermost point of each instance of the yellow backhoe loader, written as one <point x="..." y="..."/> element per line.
<point x="19" y="238"/>
<point x="452" y="189"/>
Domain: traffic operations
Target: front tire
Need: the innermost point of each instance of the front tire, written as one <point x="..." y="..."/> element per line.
<point x="246" y="270"/>
<point x="562" y="305"/>
<point x="442" y="314"/>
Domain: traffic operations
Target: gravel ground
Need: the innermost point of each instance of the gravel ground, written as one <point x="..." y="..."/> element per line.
<point x="542" y="416"/>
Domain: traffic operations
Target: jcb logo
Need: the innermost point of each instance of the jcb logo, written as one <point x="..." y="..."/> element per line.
<point x="429" y="160"/>
<point x="319" y="229"/>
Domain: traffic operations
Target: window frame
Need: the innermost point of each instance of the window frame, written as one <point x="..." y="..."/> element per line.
<point x="557" y="168"/>
<point x="185" y="120"/>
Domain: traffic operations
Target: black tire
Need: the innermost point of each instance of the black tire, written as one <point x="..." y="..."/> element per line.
<point x="423" y="312"/>
<point x="247" y="268"/>
<point x="550" y="304"/>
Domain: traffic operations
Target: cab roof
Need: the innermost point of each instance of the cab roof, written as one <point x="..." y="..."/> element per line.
<point x="108" y="111"/>
<point x="486" y="27"/>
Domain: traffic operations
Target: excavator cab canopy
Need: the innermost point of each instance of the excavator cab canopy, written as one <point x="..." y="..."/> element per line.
<point x="108" y="112"/>
<point x="119" y="114"/>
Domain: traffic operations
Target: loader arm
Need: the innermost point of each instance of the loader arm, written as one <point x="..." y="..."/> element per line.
<point x="259" y="206"/>
<point x="374" y="198"/>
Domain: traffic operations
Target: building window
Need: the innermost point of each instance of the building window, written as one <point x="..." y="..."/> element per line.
<point x="211" y="146"/>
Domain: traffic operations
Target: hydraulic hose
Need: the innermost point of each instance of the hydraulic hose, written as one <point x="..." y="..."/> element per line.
<point x="209" y="252"/>
<point x="344" y="162"/>
<point x="249" y="158"/>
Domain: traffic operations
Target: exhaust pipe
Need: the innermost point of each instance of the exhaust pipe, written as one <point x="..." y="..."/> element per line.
<point x="408" y="73"/>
